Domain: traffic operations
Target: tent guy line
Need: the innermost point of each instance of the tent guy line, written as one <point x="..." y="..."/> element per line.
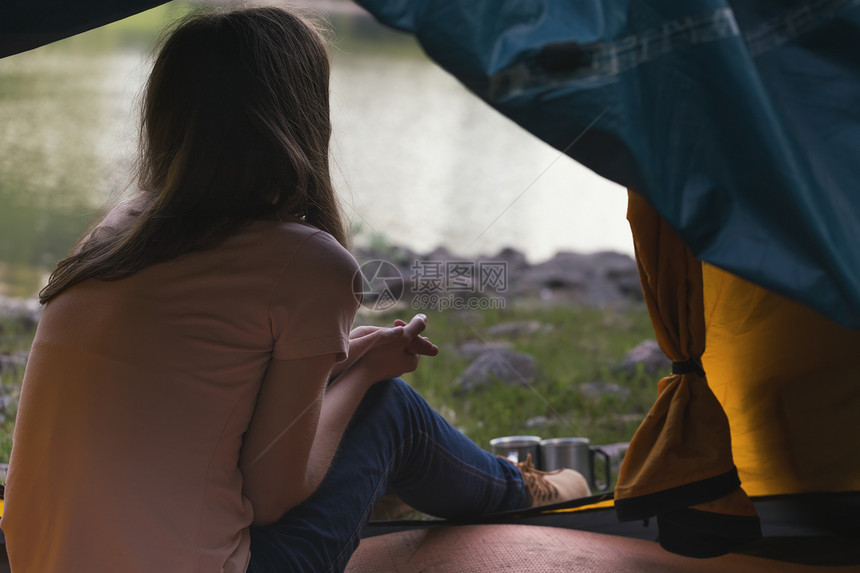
<point x="541" y="174"/>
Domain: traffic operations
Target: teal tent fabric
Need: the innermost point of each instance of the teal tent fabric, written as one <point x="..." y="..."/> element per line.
<point x="739" y="121"/>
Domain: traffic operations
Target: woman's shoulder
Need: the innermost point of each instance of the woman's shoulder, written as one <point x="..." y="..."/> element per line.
<point x="318" y="269"/>
<point x="311" y="249"/>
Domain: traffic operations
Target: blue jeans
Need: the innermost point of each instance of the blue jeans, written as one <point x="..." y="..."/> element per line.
<point x="395" y="442"/>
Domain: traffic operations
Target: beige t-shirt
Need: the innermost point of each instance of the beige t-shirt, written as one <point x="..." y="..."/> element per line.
<point x="137" y="393"/>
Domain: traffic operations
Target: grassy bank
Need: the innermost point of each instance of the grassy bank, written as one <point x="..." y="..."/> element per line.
<point x="574" y="346"/>
<point x="15" y="338"/>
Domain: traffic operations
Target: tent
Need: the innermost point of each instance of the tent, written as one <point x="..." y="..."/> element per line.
<point x="735" y="126"/>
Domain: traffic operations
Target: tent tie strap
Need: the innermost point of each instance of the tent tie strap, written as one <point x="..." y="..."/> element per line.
<point x="691" y="366"/>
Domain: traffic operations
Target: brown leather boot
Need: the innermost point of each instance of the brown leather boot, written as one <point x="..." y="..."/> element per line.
<point x="545" y="488"/>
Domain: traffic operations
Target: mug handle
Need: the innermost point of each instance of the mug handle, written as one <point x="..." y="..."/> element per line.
<point x="607" y="468"/>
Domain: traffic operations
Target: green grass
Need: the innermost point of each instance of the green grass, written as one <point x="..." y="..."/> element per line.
<point x="16" y="336"/>
<point x="7" y="426"/>
<point x="579" y="346"/>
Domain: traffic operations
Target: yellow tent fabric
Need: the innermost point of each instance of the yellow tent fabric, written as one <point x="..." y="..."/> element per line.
<point x="789" y="381"/>
<point x="679" y="464"/>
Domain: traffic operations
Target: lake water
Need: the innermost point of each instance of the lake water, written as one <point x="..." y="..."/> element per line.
<point x="418" y="161"/>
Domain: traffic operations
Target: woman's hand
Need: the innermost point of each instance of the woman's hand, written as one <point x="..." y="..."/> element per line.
<point x="398" y="352"/>
<point x="364" y="338"/>
<point x="421" y="344"/>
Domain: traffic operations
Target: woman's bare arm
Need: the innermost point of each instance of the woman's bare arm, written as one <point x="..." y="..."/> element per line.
<point x="297" y="424"/>
<point x="276" y="448"/>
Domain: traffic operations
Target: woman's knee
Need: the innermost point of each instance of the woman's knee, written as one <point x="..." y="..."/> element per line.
<point x="393" y="392"/>
<point x="395" y="398"/>
<point x="386" y="411"/>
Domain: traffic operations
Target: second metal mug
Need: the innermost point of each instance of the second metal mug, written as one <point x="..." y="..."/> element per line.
<point x="577" y="454"/>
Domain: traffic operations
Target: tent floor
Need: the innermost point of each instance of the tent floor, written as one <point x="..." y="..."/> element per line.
<point x="802" y="533"/>
<point x="491" y="548"/>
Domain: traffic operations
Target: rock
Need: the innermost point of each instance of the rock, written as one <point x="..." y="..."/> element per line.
<point x="473" y="348"/>
<point x="599" y="279"/>
<point x="647" y="354"/>
<point x="622" y="271"/>
<point x="596" y="390"/>
<point x="514" y="259"/>
<point x="595" y="279"/>
<point x="510" y="367"/>
<point x="563" y="271"/>
<point x="400" y="257"/>
<point x="519" y="329"/>
<point x="439" y="254"/>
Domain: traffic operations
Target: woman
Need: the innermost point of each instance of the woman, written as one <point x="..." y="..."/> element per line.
<point x="193" y="374"/>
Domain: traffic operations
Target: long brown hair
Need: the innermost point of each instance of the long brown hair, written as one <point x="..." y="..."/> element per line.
<point x="234" y="127"/>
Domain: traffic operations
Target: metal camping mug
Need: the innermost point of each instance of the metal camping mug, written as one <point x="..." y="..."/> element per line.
<point x="576" y="454"/>
<point x="517" y="448"/>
